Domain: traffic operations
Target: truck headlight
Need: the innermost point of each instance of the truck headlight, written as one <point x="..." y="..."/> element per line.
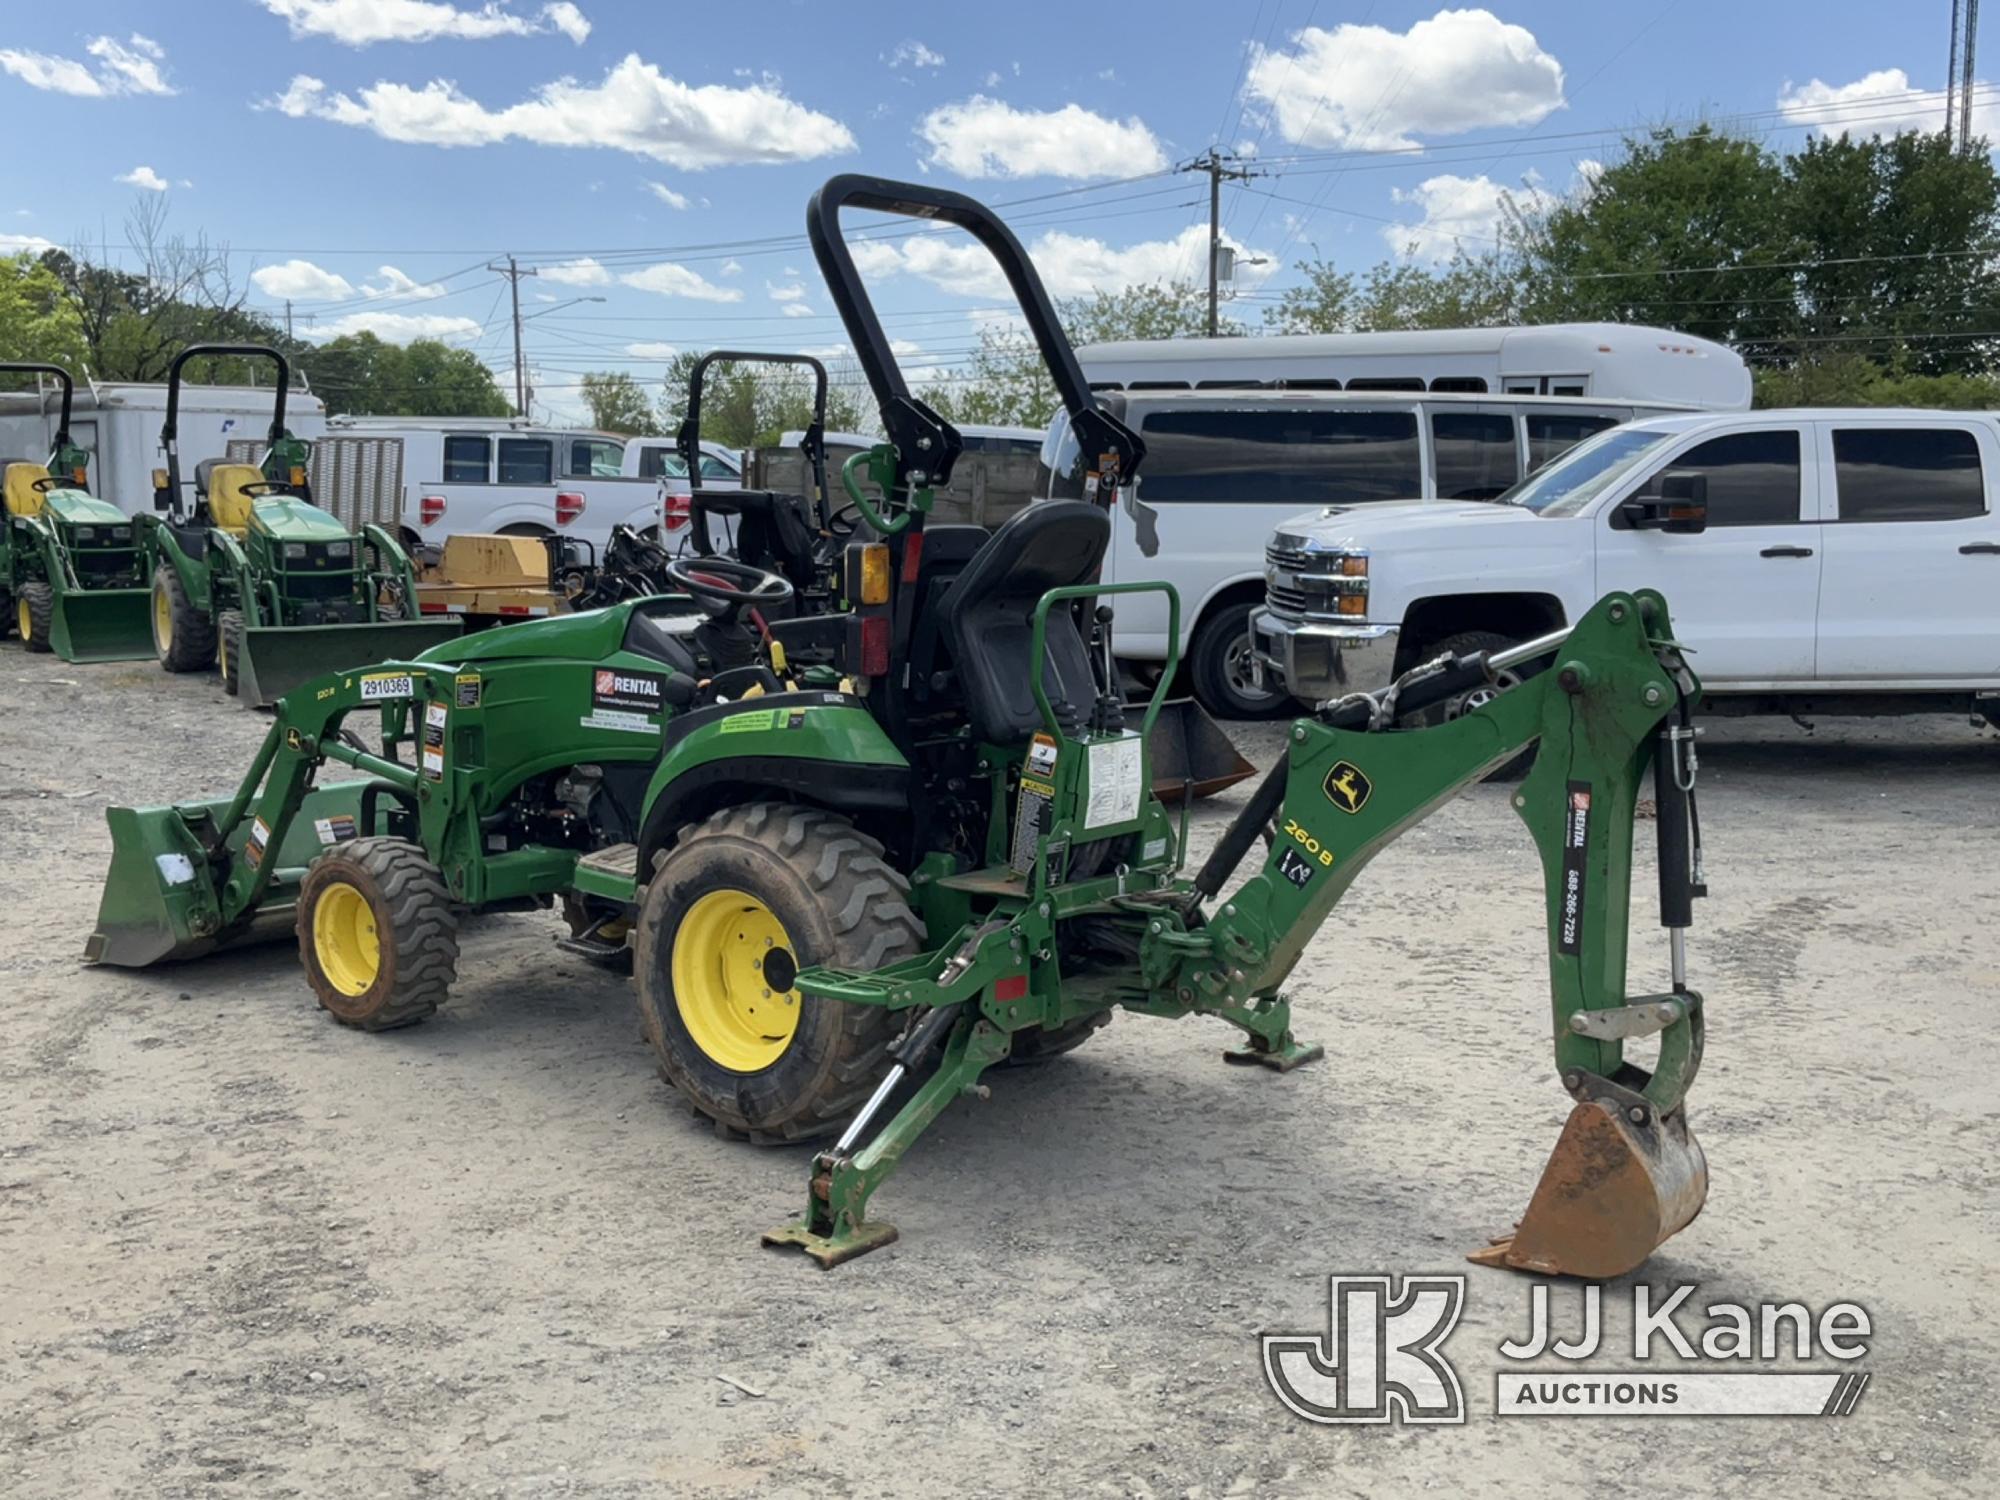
<point x="121" y="533"/>
<point x="86" y="533"/>
<point x="295" y="551"/>
<point x="340" y="550"/>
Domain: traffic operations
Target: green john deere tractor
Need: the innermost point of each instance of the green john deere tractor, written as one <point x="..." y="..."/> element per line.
<point x="71" y="574"/>
<point x="920" y="839"/>
<point x="255" y="580"/>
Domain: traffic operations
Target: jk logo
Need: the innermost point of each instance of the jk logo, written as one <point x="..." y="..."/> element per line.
<point x="1379" y="1360"/>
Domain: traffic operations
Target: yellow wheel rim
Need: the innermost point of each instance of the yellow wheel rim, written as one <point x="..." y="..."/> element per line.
<point x="726" y="1000"/>
<point x="163" y="619"/>
<point x="27" y="621"/>
<point x="344" y="939"/>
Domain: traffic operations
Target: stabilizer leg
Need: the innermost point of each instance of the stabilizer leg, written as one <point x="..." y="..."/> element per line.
<point x="836" y="1226"/>
<point x="1268" y="1041"/>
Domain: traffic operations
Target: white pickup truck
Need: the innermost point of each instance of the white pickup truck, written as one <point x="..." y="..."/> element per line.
<point x="1832" y="561"/>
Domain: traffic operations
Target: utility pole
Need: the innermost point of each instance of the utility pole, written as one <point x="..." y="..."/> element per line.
<point x="288" y="318"/>
<point x="514" y="271"/>
<point x="1961" y="73"/>
<point x="1218" y="167"/>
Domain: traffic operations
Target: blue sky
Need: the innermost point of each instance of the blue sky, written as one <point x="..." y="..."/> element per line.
<point x="367" y="158"/>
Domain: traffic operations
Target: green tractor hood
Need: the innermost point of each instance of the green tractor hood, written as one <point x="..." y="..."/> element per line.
<point x="286" y="518"/>
<point x="77" y="508"/>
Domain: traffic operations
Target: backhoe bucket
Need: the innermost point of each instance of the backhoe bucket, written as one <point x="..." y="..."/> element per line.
<point x="102" y="625"/>
<point x="1189" y="749"/>
<point x="1612" y="1192"/>
<point x="161" y="897"/>
<point x="278" y="658"/>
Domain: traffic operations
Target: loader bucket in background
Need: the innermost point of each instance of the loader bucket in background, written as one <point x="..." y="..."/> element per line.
<point x="1188" y="749"/>
<point x="160" y="896"/>
<point x="278" y="658"/>
<point x="102" y="625"/>
<point x="1611" y="1193"/>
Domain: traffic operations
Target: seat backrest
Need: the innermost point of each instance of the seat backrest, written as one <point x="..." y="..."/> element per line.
<point x="773" y="529"/>
<point x="228" y="506"/>
<point x="989" y="616"/>
<point x="23" y="499"/>
<point x="202" y="471"/>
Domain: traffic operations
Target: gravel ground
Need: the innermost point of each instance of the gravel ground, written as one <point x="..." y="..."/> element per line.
<point x="245" y="1251"/>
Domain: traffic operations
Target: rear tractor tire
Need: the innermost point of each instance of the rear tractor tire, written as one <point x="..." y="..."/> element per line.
<point x="183" y="636"/>
<point x="377" y="933"/>
<point x="737" y="907"/>
<point x="229" y="650"/>
<point x="1037" y="1044"/>
<point x="34" y="615"/>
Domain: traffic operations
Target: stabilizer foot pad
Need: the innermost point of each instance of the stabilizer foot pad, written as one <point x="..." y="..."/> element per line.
<point x="831" y="1250"/>
<point x="1281" y="1059"/>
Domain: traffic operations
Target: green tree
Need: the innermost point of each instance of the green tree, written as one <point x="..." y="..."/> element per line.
<point x="360" y="374"/>
<point x="617" y="404"/>
<point x="36" y="320"/>
<point x="752" y="405"/>
<point x="1465" y="292"/>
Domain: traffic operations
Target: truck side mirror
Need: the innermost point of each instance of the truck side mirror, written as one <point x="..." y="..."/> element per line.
<point x="1680" y="508"/>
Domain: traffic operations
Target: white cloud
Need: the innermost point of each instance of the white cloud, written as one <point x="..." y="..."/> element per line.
<point x="791" y="293"/>
<point x="129" y="67"/>
<point x="358" y="23"/>
<point x="987" y="138"/>
<point x="1376" y="89"/>
<point x="1880" y="103"/>
<point x="1071" y="265"/>
<point x="667" y="195"/>
<point x="798" y="310"/>
<point x="143" y="177"/>
<point x="584" y="272"/>
<point x="396" y="284"/>
<point x="636" y="108"/>
<point x="15" y="244"/>
<point x="396" y="328"/>
<point x="732" y="267"/>
<point x="301" y="281"/>
<point x="670" y="280"/>
<point x="913" y="54"/>
<point x="1457" y="210"/>
<point x="652" y="350"/>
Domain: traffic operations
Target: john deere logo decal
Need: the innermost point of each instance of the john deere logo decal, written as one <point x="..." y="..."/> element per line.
<point x="1347" y="788"/>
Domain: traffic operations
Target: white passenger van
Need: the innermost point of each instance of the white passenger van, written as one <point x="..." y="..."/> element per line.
<point x="444" y="476"/>
<point x="1225" y="467"/>
<point x="1605" y="361"/>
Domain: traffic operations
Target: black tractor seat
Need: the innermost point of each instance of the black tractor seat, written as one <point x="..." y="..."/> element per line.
<point x="989" y="619"/>
<point x="774" y="530"/>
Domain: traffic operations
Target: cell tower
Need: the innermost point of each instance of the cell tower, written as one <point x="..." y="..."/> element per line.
<point x="1961" y="73"/>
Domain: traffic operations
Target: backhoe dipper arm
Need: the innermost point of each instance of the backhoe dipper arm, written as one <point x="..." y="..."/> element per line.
<point x="1614" y="697"/>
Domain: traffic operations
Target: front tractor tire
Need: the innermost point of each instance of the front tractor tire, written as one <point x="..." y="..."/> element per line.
<point x="1465" y="643"/>
<point x="377" y="933"/>
<point x="738" y="906"/>
<point x="35" y="612"/>
<point x="183" y="636"/>
<point x="229" y="650"/>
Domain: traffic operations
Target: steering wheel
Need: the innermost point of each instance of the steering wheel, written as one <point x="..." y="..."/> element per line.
<point x="53" y="482"/>
<point x="257" y="489"/>
<point x="724" y="587"/>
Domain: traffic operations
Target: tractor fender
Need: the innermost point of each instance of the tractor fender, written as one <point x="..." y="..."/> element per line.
<point x="162" y="546"/>
<point x="815" y="747"/>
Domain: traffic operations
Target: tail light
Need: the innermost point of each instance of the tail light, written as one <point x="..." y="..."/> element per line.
<point x="677" y="512"/>
<point x="431" y="509"/>
<point x="568" y="507"/>
<point x="875" y="646"/>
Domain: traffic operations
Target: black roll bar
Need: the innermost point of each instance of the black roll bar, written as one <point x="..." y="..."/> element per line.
<point x="25" y="367"/>
<point x="687" y="441"/>
<point x="170" y="429"/>
<point x="926" y="445"/>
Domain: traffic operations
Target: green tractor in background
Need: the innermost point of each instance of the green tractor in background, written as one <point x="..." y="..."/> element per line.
<point x="72" y="577"/>
<point x="864" y="855"/>
<point x="259" y="583"/>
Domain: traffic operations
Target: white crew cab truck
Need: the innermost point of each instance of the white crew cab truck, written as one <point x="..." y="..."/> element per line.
<point x="1831" y="561"/>
<point x="1223" y="467"/>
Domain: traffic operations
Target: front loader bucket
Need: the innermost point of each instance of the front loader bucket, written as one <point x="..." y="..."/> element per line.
<point x="1189" y="749"/>
<point x="1612" y="1192"/>
<point x="102" y="625"/>
<point x="162" y="895"/>
<point x="278" y="658"/>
